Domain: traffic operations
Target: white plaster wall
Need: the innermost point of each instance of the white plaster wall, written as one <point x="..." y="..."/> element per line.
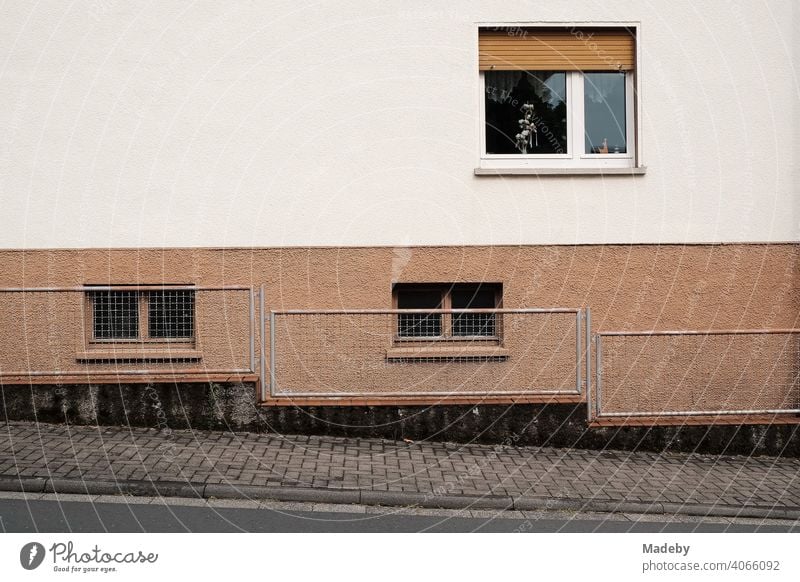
<point x="243" y="123"/>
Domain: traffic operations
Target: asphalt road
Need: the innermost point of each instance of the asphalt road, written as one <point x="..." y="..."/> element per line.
<point x="21" y="515"/>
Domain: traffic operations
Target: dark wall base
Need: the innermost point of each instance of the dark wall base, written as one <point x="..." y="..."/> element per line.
<point x="232" y="406"/>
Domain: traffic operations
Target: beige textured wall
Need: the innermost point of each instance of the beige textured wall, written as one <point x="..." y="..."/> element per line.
<point x="50" y="331"/>
<point x="627" y="286"/>
<point x="348" y="122"/>
<point x="348" y="355"/>
<point x="667" y="287"/>
<point x="730" y="372"/>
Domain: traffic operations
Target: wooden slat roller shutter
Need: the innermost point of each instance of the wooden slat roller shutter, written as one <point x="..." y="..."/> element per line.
<point x="557" y="49"/>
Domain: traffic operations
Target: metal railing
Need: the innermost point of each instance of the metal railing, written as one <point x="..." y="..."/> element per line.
<point x="360" y="353"/>
<point x="696" y="373"/>
<point x="48" y="332"/>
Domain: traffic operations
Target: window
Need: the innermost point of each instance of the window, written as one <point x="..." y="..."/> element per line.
<point x="447" y="326"/>
<point x="510" y="96"/>
<point x="170" y="314"/>
<point x="557" y="97"/>
<point x="152" y="315"/>
<point x="473" y="297"/>
<point x="115" y="314"/>
<point x="419" y="324"/>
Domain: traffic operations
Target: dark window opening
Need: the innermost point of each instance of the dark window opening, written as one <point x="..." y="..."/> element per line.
<point x="419" y="324"/>
<point x="526" y="112"/>
<point x="474" y="297"/>
<point x="447" y="297"/>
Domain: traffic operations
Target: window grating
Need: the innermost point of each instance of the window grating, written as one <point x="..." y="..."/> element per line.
<point x="447" y="296"/>
<point x="474" y="324"/>
<point x="165" y="360"/>
<point x="115" y="314"/>
<point x="419" y="325"/>
<point x="142" y="315"/>
<point x="474" y="297"/>
<point x="171" y="314"/>
<point x="449" y="360"/>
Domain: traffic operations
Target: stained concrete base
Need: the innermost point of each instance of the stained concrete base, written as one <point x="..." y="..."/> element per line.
<point x="233" y="406"/>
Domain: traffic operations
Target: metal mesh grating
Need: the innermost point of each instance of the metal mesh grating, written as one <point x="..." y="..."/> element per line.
<point x="474" y="324"/>
<point x="458" y="297"/>
<point x="412" y="325"/>
<point x="115" y="314"/>
<point x="697" y="372"/>
<point x="171" y="314"/>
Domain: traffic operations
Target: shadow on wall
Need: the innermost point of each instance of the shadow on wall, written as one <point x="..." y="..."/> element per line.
<point x="232" y="406"/>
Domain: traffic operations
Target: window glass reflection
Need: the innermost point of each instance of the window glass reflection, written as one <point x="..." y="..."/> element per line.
<point x="604" y="108"/>
<point x="526" y="112"/>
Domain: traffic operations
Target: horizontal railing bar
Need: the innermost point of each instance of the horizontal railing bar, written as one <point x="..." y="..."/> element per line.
<point x="698" y="332"/>
<point x="376" y="394"/>
<point x="700" y="412"/>
<point x="417" y="311"/>
<point x="124" y="288"/>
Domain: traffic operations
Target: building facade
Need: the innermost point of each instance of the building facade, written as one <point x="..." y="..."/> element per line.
<point x="352" y="205"/>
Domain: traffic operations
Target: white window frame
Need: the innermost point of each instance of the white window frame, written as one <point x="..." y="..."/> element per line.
<point x="576" y="158"/>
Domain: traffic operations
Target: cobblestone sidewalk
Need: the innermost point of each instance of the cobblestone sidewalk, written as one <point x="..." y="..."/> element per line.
<point x="114" y="453"/>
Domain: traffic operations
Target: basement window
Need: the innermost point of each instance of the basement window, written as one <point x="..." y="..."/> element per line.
<point x="115" y="314"/>
<point x="439" y="323"/>
<point x="157" y="315"/>
<point x="170" y="314"/>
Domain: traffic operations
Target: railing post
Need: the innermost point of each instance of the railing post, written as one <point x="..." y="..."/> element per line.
<point x="588" y="335"/>
<point x="252" y="312"/>
<point x="262" y="344"/>
<point x="578" y="351"/>
<point x="272" y="370"/>
<point x="598" y="363"/>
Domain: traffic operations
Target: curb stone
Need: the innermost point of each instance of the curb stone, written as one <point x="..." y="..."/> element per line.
<point x="298" y="494"/>
<point x="23" y="484"/>
<point x="431" y="501"/>
<point x="387" y="498"/>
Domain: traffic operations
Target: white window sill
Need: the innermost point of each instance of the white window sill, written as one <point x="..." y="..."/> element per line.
<point x="573" y="171"/>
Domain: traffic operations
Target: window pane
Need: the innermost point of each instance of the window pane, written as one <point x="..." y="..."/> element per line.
<point x="419" y="324"/>
<point x="171" y="314"/>
<point x="115" y="314"/>
<point x="538" y="99"/>
<point x="419" y="299"/>
<point x="604" y="107"/>
<point x="473" y="297"/>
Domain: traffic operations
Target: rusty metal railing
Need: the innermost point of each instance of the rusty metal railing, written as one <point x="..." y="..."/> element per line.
<point x="363" y="353"/>
<point x="48" y="330"/>
<point x="696" y="373"/>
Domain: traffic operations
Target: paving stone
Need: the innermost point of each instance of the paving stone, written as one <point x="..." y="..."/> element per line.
<point x="112" y="453"/>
